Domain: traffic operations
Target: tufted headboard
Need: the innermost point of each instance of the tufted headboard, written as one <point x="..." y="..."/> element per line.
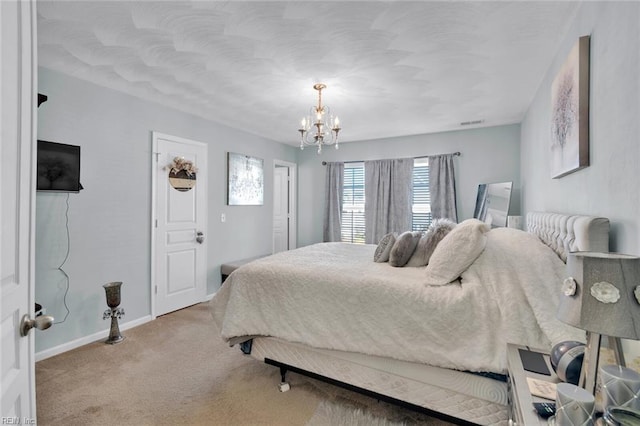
<point x="566" y="233"/>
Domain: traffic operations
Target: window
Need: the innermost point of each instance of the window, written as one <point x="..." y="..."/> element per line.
<point x="352" y="229"/>
<point x="421" y="208"/>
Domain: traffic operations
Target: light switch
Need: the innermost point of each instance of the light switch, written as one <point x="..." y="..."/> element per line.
<point x="223" y="217"/>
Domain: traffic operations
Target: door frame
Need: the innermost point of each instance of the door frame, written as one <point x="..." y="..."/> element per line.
<point x="155" y="136"/>
<point x="293" y="189"/>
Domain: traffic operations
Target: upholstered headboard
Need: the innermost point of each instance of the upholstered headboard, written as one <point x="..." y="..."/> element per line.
<point x="566" y="233"/>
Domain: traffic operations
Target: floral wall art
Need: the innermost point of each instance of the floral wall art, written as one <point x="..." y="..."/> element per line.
<point x="570" y="112"/>
<point x="245" y="180"/>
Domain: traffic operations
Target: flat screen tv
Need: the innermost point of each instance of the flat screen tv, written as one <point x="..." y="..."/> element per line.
<point x="58" y="167"/>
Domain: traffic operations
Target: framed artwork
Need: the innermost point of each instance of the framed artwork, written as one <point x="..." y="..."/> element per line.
<point x="245" y="178"/>
<point x="570" y="112"/>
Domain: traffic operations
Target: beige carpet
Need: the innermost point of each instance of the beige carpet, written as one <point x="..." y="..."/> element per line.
<point x="177" y="371"/>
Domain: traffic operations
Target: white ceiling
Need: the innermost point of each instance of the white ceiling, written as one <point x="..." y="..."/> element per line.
<point x="392" y="68"/>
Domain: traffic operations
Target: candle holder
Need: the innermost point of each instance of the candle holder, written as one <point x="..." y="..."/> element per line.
<point x="620" y="387"/>
<point x="574" y="406"/>
<point x="114" y="312"/>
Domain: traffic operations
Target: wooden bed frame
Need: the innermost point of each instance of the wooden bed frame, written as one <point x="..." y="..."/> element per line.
<point x="456" y="396"/>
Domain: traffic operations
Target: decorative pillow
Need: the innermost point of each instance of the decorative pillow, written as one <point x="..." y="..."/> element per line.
<point x="384" y="248"/>
<point x="403" y="248"/>
<point x="456" y="252"/>
<point x="437" y="231"/>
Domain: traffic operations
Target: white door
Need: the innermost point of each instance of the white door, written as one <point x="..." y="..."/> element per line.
<point x="17" y="132"/>
<point x="284" y="205"/>
<point x="179" y="270"/>
<point x="280" y="209"/>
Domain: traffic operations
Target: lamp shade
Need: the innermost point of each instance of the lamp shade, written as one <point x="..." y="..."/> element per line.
<point x="601" y="294"/>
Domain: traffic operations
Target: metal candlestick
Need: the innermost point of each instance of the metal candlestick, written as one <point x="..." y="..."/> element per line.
<point x="114" y="312"/>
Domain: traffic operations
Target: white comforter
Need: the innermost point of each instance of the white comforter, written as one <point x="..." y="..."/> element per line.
<point x="332" y="295"/>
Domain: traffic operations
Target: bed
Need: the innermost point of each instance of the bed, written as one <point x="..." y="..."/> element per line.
<point x="328" y="311"/>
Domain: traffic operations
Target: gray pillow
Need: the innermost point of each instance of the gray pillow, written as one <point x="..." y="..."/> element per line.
<point x="384" y="248"/>
<point x="403" y="248"/>
<point x="427" y="244"/>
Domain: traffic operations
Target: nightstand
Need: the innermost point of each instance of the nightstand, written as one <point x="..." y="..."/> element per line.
<point x="521" y="411"/>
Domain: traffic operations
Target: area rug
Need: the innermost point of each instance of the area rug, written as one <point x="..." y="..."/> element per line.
<point x="330" y="413"/>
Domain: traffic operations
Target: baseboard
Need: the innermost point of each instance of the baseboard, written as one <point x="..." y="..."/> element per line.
<point x="48" y="353"/>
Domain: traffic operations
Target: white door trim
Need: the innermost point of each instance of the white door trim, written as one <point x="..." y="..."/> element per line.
<point x="155" y="137"/>
<point x="293" y="189"/>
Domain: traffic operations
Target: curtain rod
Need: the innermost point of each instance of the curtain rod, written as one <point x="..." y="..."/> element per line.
<point x="457" y="154"/>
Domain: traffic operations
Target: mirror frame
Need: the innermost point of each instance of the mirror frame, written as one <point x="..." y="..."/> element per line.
<point x="488" y="193"/>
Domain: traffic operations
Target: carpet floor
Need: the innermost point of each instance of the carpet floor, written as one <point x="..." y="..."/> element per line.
<point x="176" y="370"/>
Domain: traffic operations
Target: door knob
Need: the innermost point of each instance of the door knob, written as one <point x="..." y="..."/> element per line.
<point x="199" y="237"/>
<point x="41" y="322"/>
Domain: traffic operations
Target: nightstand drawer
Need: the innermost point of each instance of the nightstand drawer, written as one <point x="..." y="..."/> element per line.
<point x="514" y="411"/>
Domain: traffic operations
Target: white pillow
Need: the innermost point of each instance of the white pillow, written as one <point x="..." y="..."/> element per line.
<point x="456" y="252"/>
<point x="403" y="248"/>
<point x="384" y="248"/>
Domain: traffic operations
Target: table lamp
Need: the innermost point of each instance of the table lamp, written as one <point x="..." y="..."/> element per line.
<point x="602" y="296"/>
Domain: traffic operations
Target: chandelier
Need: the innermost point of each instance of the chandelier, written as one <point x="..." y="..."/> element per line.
<point x="320" y="127"/>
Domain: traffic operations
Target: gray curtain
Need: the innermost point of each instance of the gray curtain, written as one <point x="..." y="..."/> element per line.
<point x="387" y="186"/>
<point x="334" y="183"/>
<point x="442" y="187"/>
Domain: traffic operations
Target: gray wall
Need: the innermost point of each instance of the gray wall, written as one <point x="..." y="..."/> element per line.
<point x="488" y="155"/>
<point x="610" y="185"/>
<point x="110" y="220"/>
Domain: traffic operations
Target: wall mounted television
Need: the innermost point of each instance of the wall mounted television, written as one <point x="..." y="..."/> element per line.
<point x="58" y="167"/>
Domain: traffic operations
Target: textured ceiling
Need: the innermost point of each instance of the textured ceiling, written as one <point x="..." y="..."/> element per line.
<point x="392" y="68"/>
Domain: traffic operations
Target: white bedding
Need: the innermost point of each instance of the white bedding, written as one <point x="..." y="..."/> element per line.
<point x="333" y="296"/>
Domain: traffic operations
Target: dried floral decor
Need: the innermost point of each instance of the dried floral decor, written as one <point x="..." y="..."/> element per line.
<point x="180" y="164"/>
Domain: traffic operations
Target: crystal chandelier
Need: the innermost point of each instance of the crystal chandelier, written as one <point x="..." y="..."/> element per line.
<point x="325" y="125"/>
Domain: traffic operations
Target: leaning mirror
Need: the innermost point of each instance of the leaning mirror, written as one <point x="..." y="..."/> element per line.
<point x="492" y="203"/>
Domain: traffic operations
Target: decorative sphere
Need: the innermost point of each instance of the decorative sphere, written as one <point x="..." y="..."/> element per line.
<point x="566" y="360"/>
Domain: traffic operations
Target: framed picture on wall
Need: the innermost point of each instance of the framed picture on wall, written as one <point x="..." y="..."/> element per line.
<point x="570" y="112"/>
<point x="245" y="180"/>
